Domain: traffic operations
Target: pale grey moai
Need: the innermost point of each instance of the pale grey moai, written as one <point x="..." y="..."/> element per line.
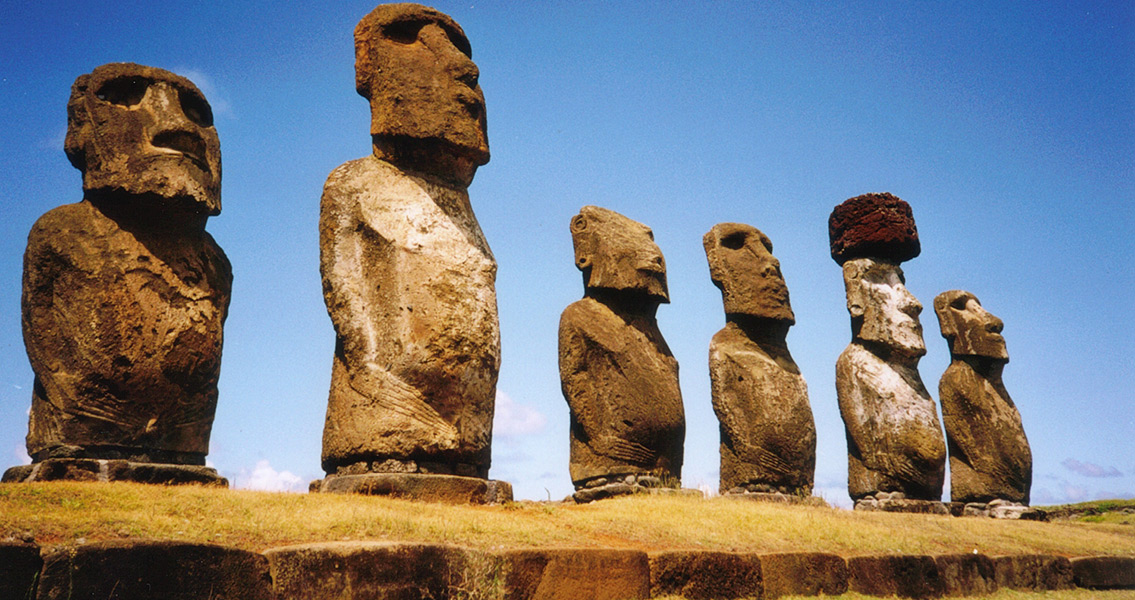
<point x="768" y="437"/>
<point x="896" y="450"/>
<point x="125" y="293"/>
<point x="989" y="453"/>
<point x="617" y="373"/>
<point x="408" y="277"/>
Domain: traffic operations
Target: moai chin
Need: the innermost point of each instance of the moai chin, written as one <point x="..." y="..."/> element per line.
<point x="990" y="459"/>
<point x="408" y="277"/>
<point x="124" y="293"/>
<point x="768" y="437"/>
<point x="896" y="452"/>
<point x="617" y="373"/>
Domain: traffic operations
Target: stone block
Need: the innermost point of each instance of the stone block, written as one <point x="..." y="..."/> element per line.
<point x="572" y="574"/>
<point x="19" y="568"/>
<point x="966" y="574"/>
<point x="91" y="469"/>
<point x="1104" y="572"/>
<point x="804" y="574"/>
<point x="149" y="570"/>
<point x="447" y="489"/>
<point x="1032" y="572"/>
<point x="904" y="576"/>
<point x="702" y="574"/>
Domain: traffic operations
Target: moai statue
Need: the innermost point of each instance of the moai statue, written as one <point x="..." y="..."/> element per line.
<point x="617" y="373"/>
<point x="124" y="293"/>
<point x="768" y="437"/>
<point x="408" y="277"/>
<point x="990" y="462"/>
<point x="896" y="452"/>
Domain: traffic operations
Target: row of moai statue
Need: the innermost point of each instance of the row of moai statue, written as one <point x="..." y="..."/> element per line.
<point x="125" y="295"/>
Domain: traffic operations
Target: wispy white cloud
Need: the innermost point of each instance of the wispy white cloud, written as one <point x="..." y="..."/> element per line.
<point x="21" y="454"/>
<point x="1088" y="469"/>
<point x="263" y="477"/>
<point x="218" y="100"/>
<point x="513" y="419"/>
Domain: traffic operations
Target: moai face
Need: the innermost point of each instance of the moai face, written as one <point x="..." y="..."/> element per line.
<point x="415" y="66"/>
<point x="616" y="253"/>
<point x="741" y="264"/>
<point x="882" y="309"/>
<point x="145" y="131"/>
<point x="969" y="328"/>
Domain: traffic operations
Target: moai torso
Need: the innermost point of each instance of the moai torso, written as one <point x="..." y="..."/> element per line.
<point x="894" y="437"/>
<point x="990" y="457"/>
<point x="124" y="293"/>
<point x="407" y="275"/>
<point x="618" y="376"/>
<point x="768" y="437"/>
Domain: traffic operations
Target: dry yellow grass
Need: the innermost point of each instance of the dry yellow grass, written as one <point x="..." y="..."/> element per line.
<point x="55" y="513"/>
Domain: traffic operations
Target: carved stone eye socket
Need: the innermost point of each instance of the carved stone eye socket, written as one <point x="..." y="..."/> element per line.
<point x="124" y="91"/>
<point x="195" y="108"/>
<point x="734" y="241"/>
<point x="960" y="303"/>
<point x="403" y="32"/>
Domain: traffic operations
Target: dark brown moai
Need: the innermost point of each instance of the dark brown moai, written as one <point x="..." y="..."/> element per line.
<point x="617" y="373"/>
<point x="768" y="437"/>
<point x="408" y="277"/>
<point x="990" y="458"/>
<point x="124" y="293"/>
<point x="896" y="452"/>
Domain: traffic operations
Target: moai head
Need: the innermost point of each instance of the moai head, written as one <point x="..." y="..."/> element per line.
<point x="968" y="328"/>
<point x="144" y="131"/>
<point x="415" y="66"/>
<point x="616" y="253"/>
<point x="741" y="264"/>
<point x="882" y="309"/>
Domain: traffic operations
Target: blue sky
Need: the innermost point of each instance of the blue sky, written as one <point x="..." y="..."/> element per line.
<point x="1009" y="127"/>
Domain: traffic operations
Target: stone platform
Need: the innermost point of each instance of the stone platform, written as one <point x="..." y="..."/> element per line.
<point x="775" y="498"/>
<point x="896" y="502"/>
<point x="447" y="489"/>
<point x="609" y="487"/>
<point x="105" y="470"/>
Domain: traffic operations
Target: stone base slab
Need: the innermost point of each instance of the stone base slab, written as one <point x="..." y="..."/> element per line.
<point x="903" y="505"/>
<point x="447" y="489"/>
<point x="704" y="575"/>
<point x="101" y="470"/>
<point x="966" y="574"/>
<point x="1032" y="572"/>
<point x="20" y="565"/>
<point x="575" y="574"/>
<point x="906" y="576"/>
<point x="1104" y="572"/>
<point x="776" y="498"/>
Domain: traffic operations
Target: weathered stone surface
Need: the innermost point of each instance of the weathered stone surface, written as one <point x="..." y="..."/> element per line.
<point x="886" y="502"/>
<point x="449" y="489"/>
<point x="88" y="469"/>
<point x="140" y="570"/>
<point x="572" y="574"/>
<point x="894" y="438"/>
<point x="19" y="570"/>
<point x="617" y="373"/>
<point x="337" y="570"/>
<point x="990" y="457"/>
<point x="768" y="436"/>
<point x="1032" y="572"/>
<point x="966" y="574"/>
<point x="803" y="574"/>
<point x="1104" y="572"/>
<point x="702" y="574"/>
<point x="124" y="293"/>
<point x="873" y="226"/>
<point x="407" y="274"/>
<point x="903" y="576"/>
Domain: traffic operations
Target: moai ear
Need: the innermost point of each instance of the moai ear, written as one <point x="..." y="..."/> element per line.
<point x="946" y="306"/>
<point x="853" y="284"/>
<point x="582" y="242"/>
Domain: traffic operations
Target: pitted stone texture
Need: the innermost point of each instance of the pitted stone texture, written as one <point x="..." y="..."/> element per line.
<point x="1033" y="572"/>
<point x="904" y="576"/>
<point x="572" y="574"/>
<point x="19" y="570"/>
<point x="140" y="570"/>
<point x="875" y="226"/>
<point x="894" y="437"/>
<point x="87" y="469"/>
<point x="336" y="570"/>
<point x="616" y="371"/>
<point x="124" y="293"/>
<point x="966" y="574"/>
<point x="895" y="502"/>
<point x="803" y="574"/>
<point x="707" y="575"/>
<point x="990" y="459"/>
<point x="1104" y="572"/>
<point x="447" y="489"/>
